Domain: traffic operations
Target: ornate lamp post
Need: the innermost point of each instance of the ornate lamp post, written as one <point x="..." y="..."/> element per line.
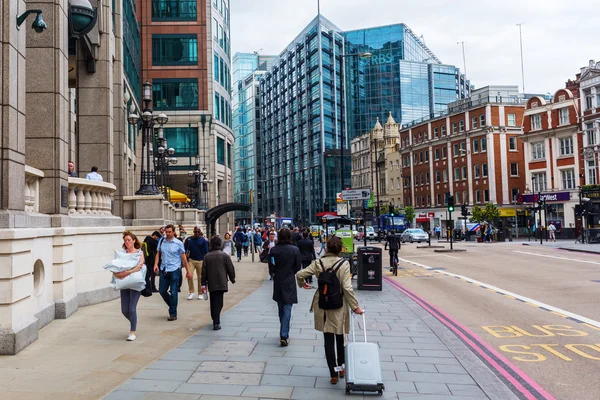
<point x="195" y="183"/>
<point x="205" y="182"/>
<point x="162" y="160"/>
<point x="148" y="175"/>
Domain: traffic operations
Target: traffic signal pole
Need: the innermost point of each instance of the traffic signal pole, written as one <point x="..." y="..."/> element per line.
<point x="451" y="227"/>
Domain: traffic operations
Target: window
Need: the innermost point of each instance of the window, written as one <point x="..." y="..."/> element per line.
<point x="454" y="127"/>
<point x="461" y="124"/>
<point x="514" y="169"/>
<point x="456" y="174"/>
<point x="476" y="171"/>
<point x="512" y="143"/>
<point x="475" y="146"/>
<point x="216" y="67"/>
<point x="174" y="50"/>
<point x="168" y="10"/>
<point x="435" y="132"/>
<point x="568" y="178"/>
<point x="455" y="150"/>
<point x="538" y="151"/>
<point x="477" y="197"/>
<point x="539" y="181"/>
<point x="563" y="116"/>
<point x="175" y="94"/>
<point x="437" y="177"/>
<point x="474" y="123"/>
<point x="217" y="106"/>
<point x="443" y="131"/>
<point x="183" y="140"/>
<point x="515" y="193"/>
<point x="444" y="152"/>
<point x="483" y="145"/>
<point x="229" y="159"/>
<point x="436" y="154"/>
<point x="486" y="195"/>
<point x="427" y="178"/>
<point x="511" y="119"/>
<point x="445" y="175"/>
<point x="566" y="146"/>
<point x="588" y="99"/>
<point x="482" y="120"/>
<point x="421" y="178"/>
<point x="420" y="157"/>
<point x="536" y="122"/>
<point x="457" y="198"/>
<point x="220" y="151"/>
<point x="465" y="198"/>
<point x="427" y="156"/>
<point x="590" y="134"/>
<point x="591" y="171"/>
<point x="484" y="170"/>
<point x="464" y="172"/>
<point x="439" y="199"/>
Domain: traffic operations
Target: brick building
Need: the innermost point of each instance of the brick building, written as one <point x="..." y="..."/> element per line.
<point x="471" y="152"/>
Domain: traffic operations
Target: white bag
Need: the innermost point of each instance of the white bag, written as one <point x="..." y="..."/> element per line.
<point x="123" y="262"/>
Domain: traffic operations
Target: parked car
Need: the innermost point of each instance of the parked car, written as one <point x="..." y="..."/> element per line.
<point x="414" y="235"/>
<point x="371" y="235"/>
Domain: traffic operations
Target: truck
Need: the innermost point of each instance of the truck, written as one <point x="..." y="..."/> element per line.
<point x="388" y="222"/>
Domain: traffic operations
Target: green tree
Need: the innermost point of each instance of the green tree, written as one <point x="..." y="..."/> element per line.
<point x="409" y="214"/>
<point x="384" y="209"/>
<point x="491" y="212"/>
<point x="477" y="214"/>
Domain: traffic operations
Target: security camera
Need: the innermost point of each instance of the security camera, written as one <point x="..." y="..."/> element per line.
<point x="39" y="25"/>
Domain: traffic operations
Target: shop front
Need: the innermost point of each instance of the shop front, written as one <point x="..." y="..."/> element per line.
<point x="560" y="212"/>
<point x="424" y="220"/>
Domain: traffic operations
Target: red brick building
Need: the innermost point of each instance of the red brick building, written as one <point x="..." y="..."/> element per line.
<point x="470" y="153"/>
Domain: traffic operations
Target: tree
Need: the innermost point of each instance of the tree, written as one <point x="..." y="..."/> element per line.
<point x="409" y="214"/>
<point x="384" y="209"/>
<point x="491" y="212"/>
<point x="477" y="214"/>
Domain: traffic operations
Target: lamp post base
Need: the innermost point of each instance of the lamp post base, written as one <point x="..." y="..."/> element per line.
<point x="148" y="190"/>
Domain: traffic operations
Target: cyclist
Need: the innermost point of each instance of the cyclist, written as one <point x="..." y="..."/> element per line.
<point x="394" y="242"/>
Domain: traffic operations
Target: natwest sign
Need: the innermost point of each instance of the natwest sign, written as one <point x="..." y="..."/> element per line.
<point x="533" y="198"/>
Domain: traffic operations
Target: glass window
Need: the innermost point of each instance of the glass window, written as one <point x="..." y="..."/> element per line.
<point x="477" y="196"/>
<point x="568" y="178"/>
<point x="456" y="173"/>
<point x="539" y="181"/>
<point x="538" y="151"/>
<point x="444" y="130"/>
<point x="183" y="140"/>
<point x="591" y="173"/>
<point x="445" y="175"/>
<point x="512" y="143"/>
<point x="436" y="153"/>
<point x="476" y="172"/>
<point x="217" y="106"/>
<point x="464" y="172"/>
<point x="435" y="132"/>
<point x="484" y="170"/>
<point x="438" y="177"/>
<point x="511" y="119"/>
<point x="461" y="125"/>
<point x="474" y="123"/>
<point x="220" y="151"/>
<point x="475" y="146"/>
<point x="454" y="127"/>
<point x="486" y="195"/>
<point x="566" y="146"/>
<point x="216" y="67"/>
<point x="482" y="120"/>
<point x="215" y="29"/>
<point x="168" y="10"/>
<point x="590" y="134"/>
<point x="536" y="122"/>
<point x="455" y="150"/>
<point x="174" y="50"/>
<point x="514" y="169"/>
<point x="175" y="94"/>
<point x="444" y="152"/>
<point x="483" y="144"/>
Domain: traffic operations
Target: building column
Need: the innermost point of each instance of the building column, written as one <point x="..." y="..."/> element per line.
<point x="119" y="112"/>
<point x="48" y="96"/>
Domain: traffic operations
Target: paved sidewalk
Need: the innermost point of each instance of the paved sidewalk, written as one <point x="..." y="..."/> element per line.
<point x="568" y="245"/>
<point x="421" y="359"/>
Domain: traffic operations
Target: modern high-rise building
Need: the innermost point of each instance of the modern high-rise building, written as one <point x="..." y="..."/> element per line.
<point x="247" y="70"/>
<point x="329" y="86"/>
<point x="186" y="55"/>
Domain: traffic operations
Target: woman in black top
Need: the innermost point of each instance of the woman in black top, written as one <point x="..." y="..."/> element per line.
<point x="307" y="253"/>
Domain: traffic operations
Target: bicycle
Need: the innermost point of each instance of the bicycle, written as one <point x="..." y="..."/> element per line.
<point x="394" y="268"/>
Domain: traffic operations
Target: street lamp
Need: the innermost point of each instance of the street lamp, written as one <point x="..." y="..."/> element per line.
<point x="146" y="123"/>
<point x="162" y="161"/>
<point x="195" y="183"/>
<point x="205" y="182"/>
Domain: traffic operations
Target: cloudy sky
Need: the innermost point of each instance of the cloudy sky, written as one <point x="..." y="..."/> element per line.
<point x="559" y="36"/>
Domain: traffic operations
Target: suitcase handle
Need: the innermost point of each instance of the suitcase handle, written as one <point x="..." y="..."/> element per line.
<point x="364" y="328"/>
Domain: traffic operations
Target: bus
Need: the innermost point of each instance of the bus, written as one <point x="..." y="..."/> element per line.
<point x="283" y="222"/>
<point x="387" y="223"/>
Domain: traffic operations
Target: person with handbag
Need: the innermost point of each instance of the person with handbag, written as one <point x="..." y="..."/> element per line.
<point x="217" y="270"/>
<point x="130" y="297"/>
<point x="332" y="302"/>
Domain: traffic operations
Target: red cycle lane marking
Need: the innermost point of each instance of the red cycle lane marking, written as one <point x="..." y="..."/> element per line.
<point x="448" y="321"/>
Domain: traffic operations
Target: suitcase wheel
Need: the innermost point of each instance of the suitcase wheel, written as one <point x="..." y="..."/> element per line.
<point x="348" y="387"/>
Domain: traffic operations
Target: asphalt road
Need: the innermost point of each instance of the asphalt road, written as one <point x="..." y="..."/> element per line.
<point x="538" y="307"/>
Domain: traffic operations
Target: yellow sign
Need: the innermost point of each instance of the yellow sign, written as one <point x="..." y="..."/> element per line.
<point x="507" y="212"/>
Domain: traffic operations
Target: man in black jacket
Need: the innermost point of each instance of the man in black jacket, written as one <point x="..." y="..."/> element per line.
<point x="307" y="254"/>
<point x="150" y="247"/>
<point x="284" y="262"/>
<point x="216" y="270"/>
<point x="296" y="236"/>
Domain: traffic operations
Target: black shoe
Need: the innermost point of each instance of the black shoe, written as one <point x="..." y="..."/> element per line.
<point x="172" y="318"/>
<point x="216" y="327"/>
<point x="284" y="342"/>
<point x="154" y="290"/>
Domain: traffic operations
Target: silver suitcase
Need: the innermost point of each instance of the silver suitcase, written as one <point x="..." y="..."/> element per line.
<point x="363" y="368"/>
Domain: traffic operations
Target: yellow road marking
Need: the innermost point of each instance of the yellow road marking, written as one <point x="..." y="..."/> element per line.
<point x="559" y="314"/>
<point x="532" y="305"/>
<point x="591" y="326"/>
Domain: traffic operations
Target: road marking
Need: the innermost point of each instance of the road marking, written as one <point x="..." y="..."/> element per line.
<point x="446" y="255"/>
<point x="559" y="314"/>
<point x="524" y="299"/>
<point x="557" y="258"/>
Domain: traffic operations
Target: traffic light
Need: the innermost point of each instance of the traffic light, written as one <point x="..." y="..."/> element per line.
<point x="450" y="203"/>
<point x="463" y="210"/>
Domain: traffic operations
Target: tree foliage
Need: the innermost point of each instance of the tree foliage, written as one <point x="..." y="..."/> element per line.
<point x="491" y="212"/>
<point x="409" y="213"/>
<point x="477" y="214"/>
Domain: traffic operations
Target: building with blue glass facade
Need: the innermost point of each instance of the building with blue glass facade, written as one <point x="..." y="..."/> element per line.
<point x="324" y="90"/>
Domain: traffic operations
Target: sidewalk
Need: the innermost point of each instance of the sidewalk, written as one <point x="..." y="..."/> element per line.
<point x="421" y="359"/>
<point x="86" y="356"/>
<point x="569" y="245"/>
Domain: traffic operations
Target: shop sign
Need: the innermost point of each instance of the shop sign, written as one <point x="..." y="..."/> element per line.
<point x="556" y="196"/>
<point x="507" y="212"/>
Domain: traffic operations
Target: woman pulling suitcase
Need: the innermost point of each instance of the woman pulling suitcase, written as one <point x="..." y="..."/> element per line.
<point x="331" y="302"/>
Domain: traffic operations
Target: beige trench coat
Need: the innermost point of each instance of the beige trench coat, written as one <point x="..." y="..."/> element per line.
<point x="331" y="321"/>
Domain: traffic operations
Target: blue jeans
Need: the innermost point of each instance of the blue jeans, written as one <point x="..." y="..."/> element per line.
<point x="285" y="315"/>
<point x="170" y="283"/>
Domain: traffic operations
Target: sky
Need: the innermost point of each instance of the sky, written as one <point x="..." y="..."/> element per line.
<point x="559" y="36"/>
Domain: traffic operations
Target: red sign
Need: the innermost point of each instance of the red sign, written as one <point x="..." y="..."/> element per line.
<point x="430" y="215"/>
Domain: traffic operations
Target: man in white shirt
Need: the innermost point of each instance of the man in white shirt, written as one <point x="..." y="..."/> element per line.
<point x="94" y="175"/>
<point x="552" y="230"/>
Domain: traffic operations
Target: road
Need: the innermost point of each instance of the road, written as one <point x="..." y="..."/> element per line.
<point x="538" y="307"/>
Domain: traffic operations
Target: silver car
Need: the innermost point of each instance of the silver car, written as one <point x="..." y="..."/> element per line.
<point x="414" y="235"/>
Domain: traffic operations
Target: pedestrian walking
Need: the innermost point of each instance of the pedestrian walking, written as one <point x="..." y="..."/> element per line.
<point x="238" y="239"/>
<point x="94" y="175"/>
<point x="296" y="236"/>
<point x="218" y="268"/>
<point x="171" y="253"/>
<point x="307" y="254"/>
<point x="130" y="297"/>
<point x="333" y="322"/>
<point x="150" y="246"/>
<point x="246" y="242"/>
<point x="196" y="247"/>
<point x="323" y="240"/>
<point x="284" y="262"/>
<point x="256" y="240"/>
<point x="228" y="244"/>
<point x="438" y="231"/>
<point x="552" y="230"/>
<point x="71" y="171"/>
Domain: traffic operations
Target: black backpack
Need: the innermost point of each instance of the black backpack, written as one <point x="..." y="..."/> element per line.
<point x="330" y="288"/>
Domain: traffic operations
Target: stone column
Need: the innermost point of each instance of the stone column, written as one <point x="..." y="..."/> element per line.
<point x="95" y="98"/>
<point x="12" y="112"/>
<point x="47" y="134"/>
<point x="119" y="114"/>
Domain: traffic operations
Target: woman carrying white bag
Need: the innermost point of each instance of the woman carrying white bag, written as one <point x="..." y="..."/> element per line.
<point x="129" y="296"/>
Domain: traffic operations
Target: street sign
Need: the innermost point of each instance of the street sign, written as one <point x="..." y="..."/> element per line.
<point x="342" y="209"/>
<point x="356" y="194"/>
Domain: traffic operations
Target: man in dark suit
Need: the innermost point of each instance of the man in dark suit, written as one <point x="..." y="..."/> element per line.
<point x="284" y="262"/>
<point x="216" y="270"/>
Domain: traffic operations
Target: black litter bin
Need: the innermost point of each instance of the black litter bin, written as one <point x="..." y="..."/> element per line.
<point x="370" y="272"/>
